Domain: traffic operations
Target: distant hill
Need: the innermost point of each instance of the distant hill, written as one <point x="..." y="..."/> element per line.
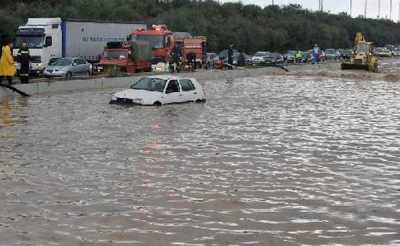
<point x="248" y="27"/>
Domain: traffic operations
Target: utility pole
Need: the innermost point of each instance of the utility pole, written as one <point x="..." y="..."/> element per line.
<point x="365" y="8"/>
<point x="351" y="7"/>
<point x="398" y="19"/>
<point x="379" y="9"/>
<point x="391" y="8"/>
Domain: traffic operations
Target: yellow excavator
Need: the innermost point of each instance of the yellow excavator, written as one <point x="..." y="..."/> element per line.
<point x="362" y="57"/>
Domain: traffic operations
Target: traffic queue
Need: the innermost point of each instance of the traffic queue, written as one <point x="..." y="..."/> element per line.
<point x="57" y="48"/>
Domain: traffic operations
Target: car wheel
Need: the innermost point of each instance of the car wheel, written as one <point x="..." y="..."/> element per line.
<point x="68" y="76"/>
<point x="200" y="101"/>
<point x="157" y="103"/>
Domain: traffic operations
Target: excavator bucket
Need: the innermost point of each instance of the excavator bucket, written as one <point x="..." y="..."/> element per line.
<point x="348" y="66"/>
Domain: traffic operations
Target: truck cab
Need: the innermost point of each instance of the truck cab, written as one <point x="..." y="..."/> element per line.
<point x="43" y="37"/>
<point x="161" y="40"/>
<point x="127" y="57"/>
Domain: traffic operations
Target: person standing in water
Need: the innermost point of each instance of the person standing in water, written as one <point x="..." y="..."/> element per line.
<point x="7" y="65"/>
<point x="230" y="57"/>
<point x="24" y="59"/>
<point x="315" y="54"/>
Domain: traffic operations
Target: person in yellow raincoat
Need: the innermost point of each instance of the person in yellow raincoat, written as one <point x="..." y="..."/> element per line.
<point x="7" y="65"/>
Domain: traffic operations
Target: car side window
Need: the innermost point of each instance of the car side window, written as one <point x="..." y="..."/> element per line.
<point x="172" y="87"/>
<point x="187" y="85"/>
<point x="79" y="61"/>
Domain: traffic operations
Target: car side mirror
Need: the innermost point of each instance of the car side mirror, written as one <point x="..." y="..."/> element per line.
<point x="74" y="64"/>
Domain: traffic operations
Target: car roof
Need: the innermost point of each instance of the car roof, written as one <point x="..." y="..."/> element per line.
<point x="168" y="77"/>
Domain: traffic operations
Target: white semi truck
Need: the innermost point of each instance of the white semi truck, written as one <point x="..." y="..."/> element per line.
<point x="50" y="38"/>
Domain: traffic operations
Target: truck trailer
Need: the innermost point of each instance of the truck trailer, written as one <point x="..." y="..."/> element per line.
<point x="51" y="38"/>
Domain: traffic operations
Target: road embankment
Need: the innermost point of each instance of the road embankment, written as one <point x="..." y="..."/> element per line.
<point x="331" y="70"/>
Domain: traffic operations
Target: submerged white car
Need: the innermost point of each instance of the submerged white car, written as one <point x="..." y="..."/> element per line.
<point x="159" y="90"/>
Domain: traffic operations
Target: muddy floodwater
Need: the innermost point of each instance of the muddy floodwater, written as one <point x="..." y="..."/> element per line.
<point x="266" y="161"/>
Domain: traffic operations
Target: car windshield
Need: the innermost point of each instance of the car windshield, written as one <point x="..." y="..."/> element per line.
<point x="31" y="41"/>
<point x="149" y="84"/>
<point x="379" y="49"/>
<point x="62" y="62"/>
<point x="275" y="55"/>
<point x="156" y="42"/>
<point x="115" y="54"/>
<point x="261" y="54"/>
<point x="330" y="51"/>
<point x="362" y="48"/>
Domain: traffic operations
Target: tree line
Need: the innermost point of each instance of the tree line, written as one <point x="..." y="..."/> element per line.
<point x="249" y="27"/>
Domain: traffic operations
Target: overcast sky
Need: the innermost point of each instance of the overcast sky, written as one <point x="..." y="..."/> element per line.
<point x="337" y="6"/>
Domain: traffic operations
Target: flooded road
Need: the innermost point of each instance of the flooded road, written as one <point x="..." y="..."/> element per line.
<point x="266" y="161"/>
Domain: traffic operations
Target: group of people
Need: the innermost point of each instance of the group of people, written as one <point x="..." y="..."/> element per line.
<point x="8" y="68"/>
<point x="302" y="57"/>
<point x="177" y="63"/>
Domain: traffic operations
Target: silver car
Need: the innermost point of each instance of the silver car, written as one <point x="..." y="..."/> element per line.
<point x="67" y="68"/>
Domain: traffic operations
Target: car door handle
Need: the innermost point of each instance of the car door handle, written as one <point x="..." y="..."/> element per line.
<point x="194" y="93"/>
<point x="180" y="95"/>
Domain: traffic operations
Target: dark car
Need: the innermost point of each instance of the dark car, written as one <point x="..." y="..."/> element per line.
<point x="274" y="58"/>
<point x="223" y="55"/>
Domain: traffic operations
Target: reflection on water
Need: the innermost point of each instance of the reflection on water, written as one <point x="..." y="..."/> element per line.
<point x="267" y="161"/>
<point x="5" y="114"/>
<point x="7" y="108"/>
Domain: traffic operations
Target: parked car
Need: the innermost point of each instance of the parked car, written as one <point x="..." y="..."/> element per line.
<point x="390" y="47"/>
<point x="260" y="57"/>
<point x="382" y="52"/>
<point x="236" y="55"/>
<point x="396" y="51"/>
<point x="223" y="55"/>
<point x="67" y="68"/>
<point x="274" y="58"/>
<point x="159" y="90"/>
<point x="347" y="54"/>
<point x="290" y="56"/>
<point x="331" y="54"/>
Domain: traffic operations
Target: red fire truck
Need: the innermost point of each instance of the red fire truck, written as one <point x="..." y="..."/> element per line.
<point x="161" y="40"/>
